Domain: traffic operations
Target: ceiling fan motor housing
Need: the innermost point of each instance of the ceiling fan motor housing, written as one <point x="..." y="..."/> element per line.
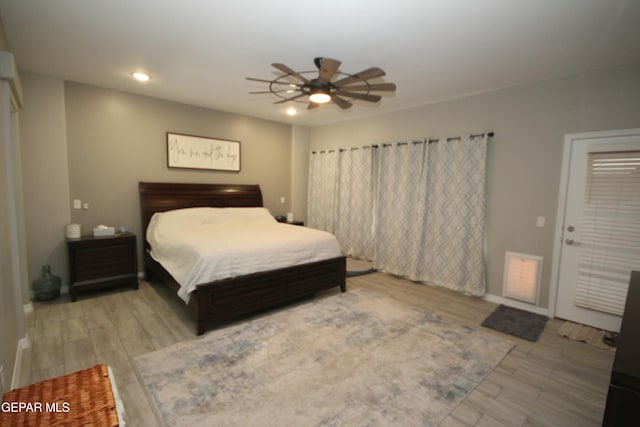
<point x="316" y="86"/>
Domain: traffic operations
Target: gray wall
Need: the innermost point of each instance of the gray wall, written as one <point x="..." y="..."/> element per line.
<point x="299" y="171"/>
<point x="45" y="174"/>
<point x="94" y="144"/>
<point x="9" y="311"/>
<point x="116" y="139"/>
<point x="9" y="331"/>
<point x="524" y="158"/>
<point x="13" y="246"/>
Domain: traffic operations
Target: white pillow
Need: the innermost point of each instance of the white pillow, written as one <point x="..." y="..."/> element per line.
<point x="194" y="217"/>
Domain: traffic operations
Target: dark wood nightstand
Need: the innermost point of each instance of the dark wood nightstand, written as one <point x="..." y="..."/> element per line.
<point x="102" y="262"/>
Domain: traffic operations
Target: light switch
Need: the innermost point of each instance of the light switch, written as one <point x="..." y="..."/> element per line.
<point x="540" y="221"/>
<point x="85" y="206"/>
<point x="77" y="204"/>
<point x="281" y="199"/>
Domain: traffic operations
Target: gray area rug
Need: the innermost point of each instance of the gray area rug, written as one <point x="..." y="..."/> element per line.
<point x="519" y="323"/>
<point x="357" y="358"/>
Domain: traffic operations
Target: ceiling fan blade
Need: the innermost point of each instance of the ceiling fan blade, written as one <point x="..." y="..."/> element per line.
<point x="376" y="86"/>
<point x="290" y="99"/>
<point x="272" y="91"/>
<point x="293" y="85"/>
<point x="362" y="96"/>
<point x="312" y="105"/>
<point x="369" y="73"/>
<point x="342" y="103"/>
<point x="289" y="71"/>
<point x="328" y="68"/>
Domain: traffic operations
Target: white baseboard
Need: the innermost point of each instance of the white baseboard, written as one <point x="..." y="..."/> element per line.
<point x="23" y="344"/>
<point x="516" y="304"/>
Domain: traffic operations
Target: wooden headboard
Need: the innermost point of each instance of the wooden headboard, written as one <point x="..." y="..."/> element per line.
<point x="161" y="197"/>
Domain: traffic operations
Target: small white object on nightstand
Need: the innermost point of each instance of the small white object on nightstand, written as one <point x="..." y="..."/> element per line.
<point x="103" y="230"/>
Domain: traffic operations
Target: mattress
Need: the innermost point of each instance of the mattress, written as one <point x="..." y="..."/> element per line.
<point x="202" y="245"/>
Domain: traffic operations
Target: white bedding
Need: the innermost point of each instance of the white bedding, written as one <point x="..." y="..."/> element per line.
<point x="200" y="245"/>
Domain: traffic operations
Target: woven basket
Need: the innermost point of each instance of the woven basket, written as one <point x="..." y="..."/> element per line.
<point x="86" y="396"/>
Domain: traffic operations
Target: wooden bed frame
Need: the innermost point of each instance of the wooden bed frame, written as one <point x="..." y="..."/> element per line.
<point x="230" y="298"/>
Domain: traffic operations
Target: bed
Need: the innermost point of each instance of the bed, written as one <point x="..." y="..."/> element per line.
<point x="229" y="298"/>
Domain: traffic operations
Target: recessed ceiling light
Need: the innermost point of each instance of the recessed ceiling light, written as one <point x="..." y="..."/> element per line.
<point x="291" y="111"/>
<point x="141" y="77"/>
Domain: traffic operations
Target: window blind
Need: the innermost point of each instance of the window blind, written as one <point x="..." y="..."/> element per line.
<point x="610" y="231"/>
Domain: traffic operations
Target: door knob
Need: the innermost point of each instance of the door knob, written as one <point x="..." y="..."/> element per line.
<point x="569" y="241"/>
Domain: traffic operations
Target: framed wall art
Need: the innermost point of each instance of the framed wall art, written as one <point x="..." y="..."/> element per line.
<point x="199" y="152"/>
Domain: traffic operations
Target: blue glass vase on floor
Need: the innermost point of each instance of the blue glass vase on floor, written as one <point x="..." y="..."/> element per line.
<point x="47" y="286"/>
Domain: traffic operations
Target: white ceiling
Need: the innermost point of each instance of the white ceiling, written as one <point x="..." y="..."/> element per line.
<point x="200" y="51"/>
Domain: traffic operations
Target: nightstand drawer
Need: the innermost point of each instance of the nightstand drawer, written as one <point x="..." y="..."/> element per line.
<point x="98" y="262"/>
<point x="104" y="261"/>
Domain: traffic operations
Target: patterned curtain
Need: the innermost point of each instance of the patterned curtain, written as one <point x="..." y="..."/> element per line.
<point x="431" y="212"/>
<point x="401" y="209"/>
<point x="424" y="201"/>
<point x="321" y="196"/>
<point x="456" y="203"/>
<point x="354" y="221"/>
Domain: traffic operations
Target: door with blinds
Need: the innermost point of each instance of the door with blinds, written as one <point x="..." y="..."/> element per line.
<point x="601" y="229"/>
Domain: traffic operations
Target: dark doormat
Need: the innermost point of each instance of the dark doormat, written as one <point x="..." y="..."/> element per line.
<point x="513" y="321"/>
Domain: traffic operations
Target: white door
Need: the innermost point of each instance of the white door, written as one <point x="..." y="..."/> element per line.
<point x="596" y="253"/>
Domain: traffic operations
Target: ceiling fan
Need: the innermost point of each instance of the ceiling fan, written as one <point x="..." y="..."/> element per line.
<point x="330" y="85"/>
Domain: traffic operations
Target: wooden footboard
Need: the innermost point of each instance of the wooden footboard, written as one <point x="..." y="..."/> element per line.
<point x="240" y="296"/>
<point x="232" y="298"/>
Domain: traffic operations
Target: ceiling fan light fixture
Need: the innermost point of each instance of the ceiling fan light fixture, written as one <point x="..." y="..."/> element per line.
<point x="319" y="97"/>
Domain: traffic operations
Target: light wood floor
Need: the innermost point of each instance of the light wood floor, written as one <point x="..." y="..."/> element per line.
<point x="553" y="382"/>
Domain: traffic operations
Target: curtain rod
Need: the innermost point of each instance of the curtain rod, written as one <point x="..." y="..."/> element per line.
<point x="476" y="135"/>
<point x="345" y="149"/>
<point x="364" y="147"/>
<point x="473" y="135"/>
<point x="429" y="141"/>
